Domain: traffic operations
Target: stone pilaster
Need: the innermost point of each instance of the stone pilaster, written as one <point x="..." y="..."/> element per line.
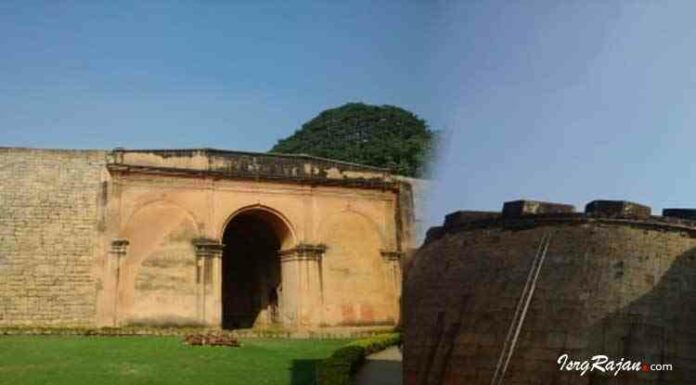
<point x="302" y="291"/>
<point x="208" y="281"/>
<point x="118" y="251"/>
<point x="392" y="260"/>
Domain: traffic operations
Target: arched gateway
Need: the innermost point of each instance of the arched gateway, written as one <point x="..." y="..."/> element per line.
<point x="241" y="240"/>
<point x="251" y="272"/>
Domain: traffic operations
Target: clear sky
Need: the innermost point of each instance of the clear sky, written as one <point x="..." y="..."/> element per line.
<point x="226" y="74"/>
<point x="560" y="101"/>
<point x="568" y="103"/>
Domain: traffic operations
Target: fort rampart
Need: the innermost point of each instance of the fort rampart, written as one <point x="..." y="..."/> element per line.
<point x="49" y="225"/>
<point x="615" y="281"/>
<point x="202" y="237"/>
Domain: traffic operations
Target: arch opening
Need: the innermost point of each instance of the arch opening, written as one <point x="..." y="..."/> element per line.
<point x="251" y="277"/>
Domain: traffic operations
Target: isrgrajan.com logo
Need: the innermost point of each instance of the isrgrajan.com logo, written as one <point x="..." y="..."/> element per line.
<point x="603" y="364"/>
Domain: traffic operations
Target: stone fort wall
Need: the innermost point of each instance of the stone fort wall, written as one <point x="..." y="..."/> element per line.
<point x="109" y="238"/>
<point x="615" y="281"/>
<point x="49" y="220"/>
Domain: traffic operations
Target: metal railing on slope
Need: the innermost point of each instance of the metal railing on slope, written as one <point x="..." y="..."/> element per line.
<point x="521" y="311"/>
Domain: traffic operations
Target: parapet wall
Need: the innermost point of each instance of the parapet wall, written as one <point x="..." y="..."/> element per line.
<point x="527" y="214"/>
<point x="269" y="167"/>
<point x="49" y="221"/>
<point x="616" y="281"/>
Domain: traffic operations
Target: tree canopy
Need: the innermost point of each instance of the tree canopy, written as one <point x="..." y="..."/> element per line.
<point x="381" y="136"/>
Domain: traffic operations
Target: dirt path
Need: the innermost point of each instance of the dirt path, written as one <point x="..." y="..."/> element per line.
<point x="381" y="368"/>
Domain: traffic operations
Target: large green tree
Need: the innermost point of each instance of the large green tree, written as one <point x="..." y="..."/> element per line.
<point x="382" y="136"/>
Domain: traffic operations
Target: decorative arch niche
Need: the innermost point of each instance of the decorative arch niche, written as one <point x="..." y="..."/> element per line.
<point x="157" y="279"/>
<point x="355" y="288"/>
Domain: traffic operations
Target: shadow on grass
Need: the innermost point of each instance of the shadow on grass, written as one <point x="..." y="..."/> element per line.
<point x="303" y="372"/>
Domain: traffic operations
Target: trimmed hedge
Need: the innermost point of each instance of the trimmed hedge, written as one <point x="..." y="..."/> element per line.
<point x="339" y="368"/>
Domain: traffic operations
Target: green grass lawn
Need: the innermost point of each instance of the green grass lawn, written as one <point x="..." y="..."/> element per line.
<point x="157" y="360"/>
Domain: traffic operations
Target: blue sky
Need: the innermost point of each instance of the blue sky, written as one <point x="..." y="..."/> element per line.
<point x="568" y="103"/>
<point x="186" y="74"/>
<point x="559" y="101"/>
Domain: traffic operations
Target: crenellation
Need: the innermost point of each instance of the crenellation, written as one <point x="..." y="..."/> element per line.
<point x="515" y="209"/>
<point x="680" y="213"/>
<point x="462" y="217"/>
<point x="617" y="208"/>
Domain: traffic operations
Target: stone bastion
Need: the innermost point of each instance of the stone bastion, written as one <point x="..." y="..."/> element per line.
<point x="614" y="280"/>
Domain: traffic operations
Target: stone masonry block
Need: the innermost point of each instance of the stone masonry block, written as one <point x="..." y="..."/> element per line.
<point x="680" y="213"/>
<point x="617" y="209"/>
<point x="461" y="217"/>
<point x="519" y="208"/>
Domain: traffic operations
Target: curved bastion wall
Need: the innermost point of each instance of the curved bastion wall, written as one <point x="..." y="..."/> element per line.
<point x="614" y="281"/>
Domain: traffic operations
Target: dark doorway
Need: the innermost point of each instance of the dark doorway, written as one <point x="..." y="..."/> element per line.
<point x="250" y="271"/>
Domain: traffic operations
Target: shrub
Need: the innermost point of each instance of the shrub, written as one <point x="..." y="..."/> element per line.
<point x="339" y="368"/>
